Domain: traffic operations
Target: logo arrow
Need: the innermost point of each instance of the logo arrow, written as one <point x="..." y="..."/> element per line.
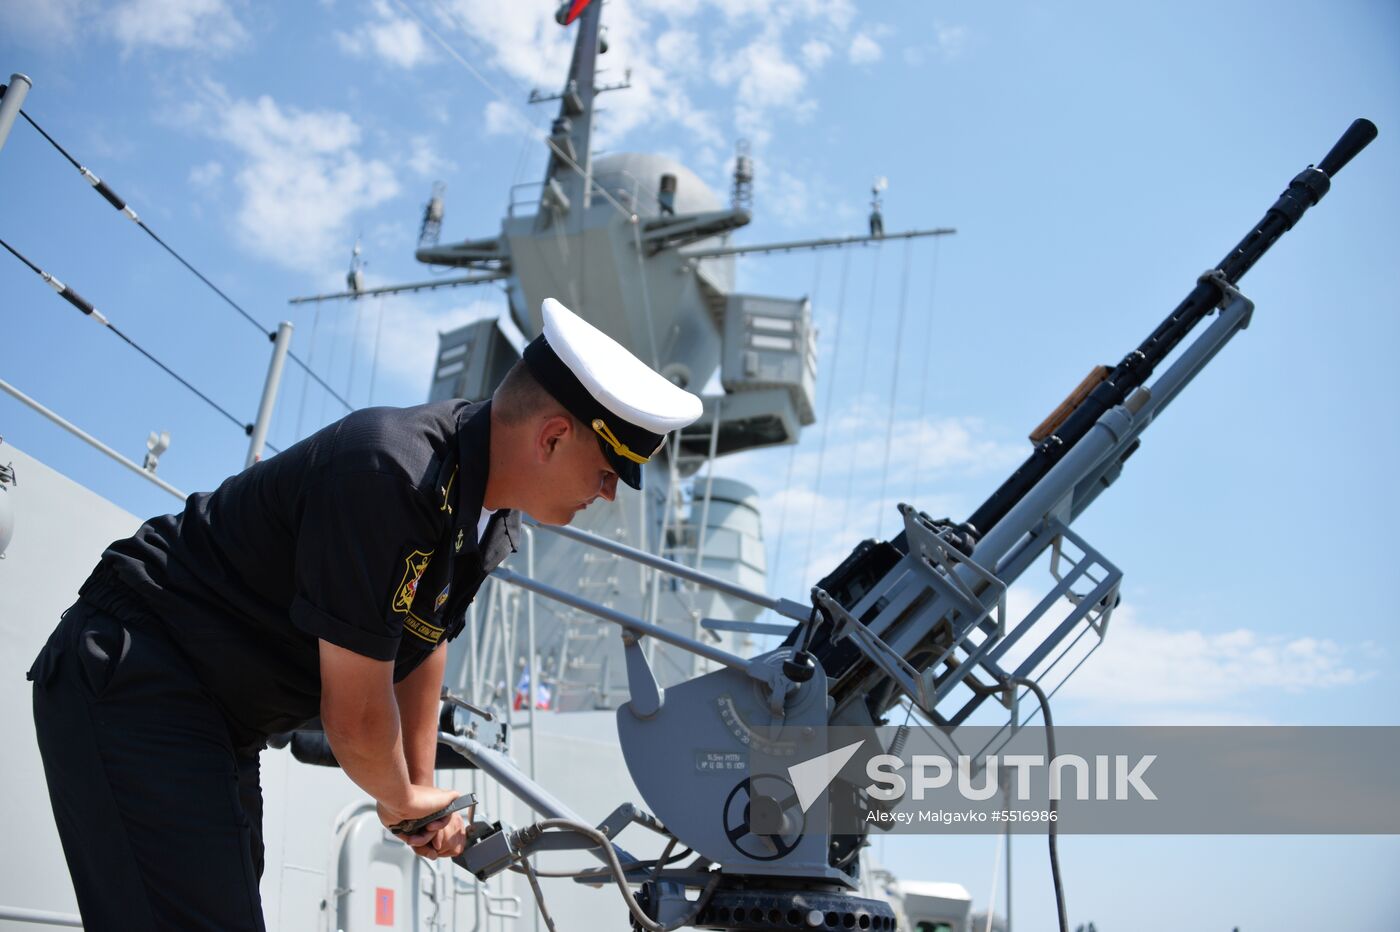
<point x="811" y="777"/>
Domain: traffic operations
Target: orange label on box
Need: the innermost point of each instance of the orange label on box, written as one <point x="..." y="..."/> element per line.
<point x="383" y="906"/>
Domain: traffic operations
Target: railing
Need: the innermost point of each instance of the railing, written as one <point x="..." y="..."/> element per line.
<point x="42" y="917"/>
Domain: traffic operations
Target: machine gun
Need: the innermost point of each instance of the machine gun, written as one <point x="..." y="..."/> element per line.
<point x="918" y="619"/>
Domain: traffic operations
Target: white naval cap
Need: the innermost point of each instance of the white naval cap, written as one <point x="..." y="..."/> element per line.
<point x="628" y="405"/>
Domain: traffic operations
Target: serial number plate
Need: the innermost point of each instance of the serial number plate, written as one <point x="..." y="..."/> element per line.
<point x="719" y="761"/>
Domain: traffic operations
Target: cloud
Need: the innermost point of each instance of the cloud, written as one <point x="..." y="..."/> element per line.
<point x="1154" y="666"/>
<point x="54" y="21"/>
<point x="523" y="41"/>
<point x="950" y="39"/>
<point x="203" y="176"/>
<point x="765" y="80"/>
<point x="669" y="68"/>
<point x="1181" y="674"/>
<point x="407" y="343"/>
<point x="864" y="50"/>
<point x="780" y="14"/>
<point x="301" y="178"/>
<point x="681" y="49"/>
<point x="765" y="62"/>
<point x="520" y="38"/>
<point x="815" y="53"/>
<point x="185" y="25"/>
<point x="817" y="506"/>
<point x="502" y="119"/>
<point x="763" y="73"/>
<point x="425" y="161"/>
<point x="784" y="195"/>
<point x="395" y="40"/>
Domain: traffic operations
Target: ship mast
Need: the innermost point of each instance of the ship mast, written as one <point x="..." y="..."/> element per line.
<point x="568" y="175"/>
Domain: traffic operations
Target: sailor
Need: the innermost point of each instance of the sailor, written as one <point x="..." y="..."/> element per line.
<point x="325" y="580"/>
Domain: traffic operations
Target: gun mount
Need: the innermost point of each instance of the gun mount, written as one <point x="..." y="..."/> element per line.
<point x="920" y="619"/>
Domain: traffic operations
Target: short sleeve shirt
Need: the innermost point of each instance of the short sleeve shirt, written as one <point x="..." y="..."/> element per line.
<point x="364" y="535"/>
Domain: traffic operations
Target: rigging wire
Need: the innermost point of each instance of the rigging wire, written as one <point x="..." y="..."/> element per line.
<point x="448" y="12"/>
<point x="928" y="361"/>
<point x="522" y="117"/>
<point x="860" y="395"/>
<point x="996" y="872"/>
<point x="894" y="385"/>
<point x="82" y="304"/>
<point x="126" y="210"/>
<point x="330" y="371"/>
<point x="792" y="453"/>
<point x="374" y="362"/>
<point x="354" y="345"/>
<point x="646" y="298"/>
<point x="830" y="397"/>
<point x="311" y="354"/>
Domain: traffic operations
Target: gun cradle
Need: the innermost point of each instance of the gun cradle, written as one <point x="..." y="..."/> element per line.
<point x="690" y="763"/>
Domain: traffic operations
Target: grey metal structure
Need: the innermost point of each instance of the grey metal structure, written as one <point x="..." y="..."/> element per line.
<point x="920" y="620"/>
<point x="11" y="102"/>
<point x="609" y="236"/>
<point x="281" y="342"/>
<point x="639" y="246"/>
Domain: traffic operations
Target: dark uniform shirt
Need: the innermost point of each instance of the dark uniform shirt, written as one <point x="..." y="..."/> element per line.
<point x="363" y="534"/>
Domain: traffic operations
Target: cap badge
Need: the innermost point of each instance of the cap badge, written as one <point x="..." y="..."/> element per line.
<point x="618" y="447"/>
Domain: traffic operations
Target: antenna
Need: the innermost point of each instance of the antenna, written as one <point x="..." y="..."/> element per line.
<point x="355" y="278"/>
<point x="433" y="212"/>
<point x="741" y="197"/>
<point x="877" y="219"/>
<point x="156" y="444"/>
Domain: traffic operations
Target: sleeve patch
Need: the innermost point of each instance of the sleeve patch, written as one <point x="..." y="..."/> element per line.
<point x="422" y="629"/>
<point x="414" y="565"/>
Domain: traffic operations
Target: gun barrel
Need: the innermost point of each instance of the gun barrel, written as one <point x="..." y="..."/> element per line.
<point x="1305" y="190"/>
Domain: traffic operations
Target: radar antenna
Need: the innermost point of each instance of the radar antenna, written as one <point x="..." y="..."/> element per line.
<point x="741" y="196"/>
<point x="433" y="212"/>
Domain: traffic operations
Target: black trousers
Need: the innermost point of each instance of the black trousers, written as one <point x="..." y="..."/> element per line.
<point x="160" y="819"/>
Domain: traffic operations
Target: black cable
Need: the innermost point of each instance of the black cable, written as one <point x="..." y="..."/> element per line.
<point x="112" y="198"/>
<point x="87" y="308"/>
<point x="32" y="267"/>
<point x="61" y="151"/>
<point x="211" y="402"/>
<point x="539" y="894"/>
<point x="655" y="866"/>
<point x="199" y="275"/>
<point x="233" y="304"/>
<point x="1044" y="700"/>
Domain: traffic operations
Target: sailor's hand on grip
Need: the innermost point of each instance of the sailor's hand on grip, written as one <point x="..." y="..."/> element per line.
<point x="448" y="841"/>
<point x="424" y="801"/>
